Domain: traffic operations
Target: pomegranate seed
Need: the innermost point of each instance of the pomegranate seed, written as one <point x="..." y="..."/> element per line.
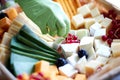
<point x="109" y="41"/>
<point x="19" y="77"/>
<point x="74" y="37"/>
<point x="110" y="32"/>
<point x="104" y="37"/>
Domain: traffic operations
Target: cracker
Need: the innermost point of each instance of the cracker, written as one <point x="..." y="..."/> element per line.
<point x="68" y="8"/>
<point x="72" y="7"/>
<point x="78" y="3"/>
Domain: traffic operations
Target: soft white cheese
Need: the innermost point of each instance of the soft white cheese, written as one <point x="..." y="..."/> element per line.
<point x="73" y="59"/>
<point x="80" y="65"/>
<point x="84" y="10"/>
<point x="69" y="49"/>
<point x="95" y="12"/>
<point x="89" y="22"/>
<point x="106" y="22"/>
<point x="100" y="32"/>
<point x="91" y="53"/>
<point x="78" y="21"/>
<point x="67" y="70"/>
<point x="104" y="51"/>
<point x="94" y="27"/>
<point x="82" y="33"/>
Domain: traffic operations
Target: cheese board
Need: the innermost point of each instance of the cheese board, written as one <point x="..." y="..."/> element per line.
<point x="90" y="49"/>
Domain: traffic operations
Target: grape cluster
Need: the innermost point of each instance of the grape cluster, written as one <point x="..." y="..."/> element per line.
<point x="71" y="39"/>
<point x="114" y="31"/>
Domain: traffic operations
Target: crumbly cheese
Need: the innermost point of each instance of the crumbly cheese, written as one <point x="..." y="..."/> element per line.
<point x="106" y="22"/>
<point x="100" y="32"/>
<point x="89" y="22"/>
<point x="95" y="12"/>
<point x="99" y="18"/>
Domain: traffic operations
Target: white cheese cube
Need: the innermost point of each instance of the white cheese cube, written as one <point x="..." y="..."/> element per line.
<point x="84" y="10"/>
<point x="106" y="22"/>
<point x="91" y="53"/>
<point x="69" y="49"/>
<point x="95" y="12"/>
<point x="99" y="18"/>
<point x="86" y="43"/>
<point x="82" y="33"/>
<point x="100" y="32"/>
<point x="68" y="70"/>
<point x="115" y="48"/>
<point x="89" y="22"/>
<point x="73" y="59"/>
<point x="92" y="67"/>
<point x="78" y="21"/>
<point x="91" y="5"/>
<point x="104" y="51"/>
<point x="94" y="27"/>
<point x="102" y="60"/>
<point x="80" y="65"/>
<point x="98" y="43"/>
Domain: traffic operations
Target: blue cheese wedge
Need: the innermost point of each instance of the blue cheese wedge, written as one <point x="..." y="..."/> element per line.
<point x="73" y="59"/>
<point x="84" y="10"/>
<point x="82" y="33"/>
<point x="80" y="65"/>
<point x="94" y="27"/>
<point x="78" y="21"/>
<point x="68" y="70"/>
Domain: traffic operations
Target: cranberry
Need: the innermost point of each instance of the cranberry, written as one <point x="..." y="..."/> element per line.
<point x="104" y="37"/>
<point x="109" y="41"/>
<point x="111" y="32"/>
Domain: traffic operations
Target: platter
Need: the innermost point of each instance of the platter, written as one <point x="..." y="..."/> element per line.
<point x="87" y="54"/>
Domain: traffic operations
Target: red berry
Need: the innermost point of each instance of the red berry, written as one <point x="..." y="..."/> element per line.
<point x="104" y="37"/>
<point x="74" y="37"/>
<point x="19" y="77"/>
<point x="109" y="41"/>
<point x="111" y="32"/>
